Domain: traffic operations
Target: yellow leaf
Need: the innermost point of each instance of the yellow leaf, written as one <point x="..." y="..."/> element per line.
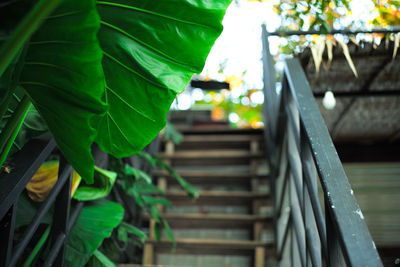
<point x="348" y="57"/>
<point x="44" y="180"/>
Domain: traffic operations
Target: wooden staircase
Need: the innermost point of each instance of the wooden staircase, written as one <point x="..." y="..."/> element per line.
<point x="230" y="223"/>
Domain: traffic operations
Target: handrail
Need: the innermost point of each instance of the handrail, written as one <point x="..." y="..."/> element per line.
<point x="302" y="155"/>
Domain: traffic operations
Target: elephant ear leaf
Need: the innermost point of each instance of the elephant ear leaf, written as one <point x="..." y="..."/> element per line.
<point x="150" y="51"/>
<point x="62" y="74"/>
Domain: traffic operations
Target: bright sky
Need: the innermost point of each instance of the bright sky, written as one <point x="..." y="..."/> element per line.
<point x="239" y="48"/>
<point x="239" y="45"/>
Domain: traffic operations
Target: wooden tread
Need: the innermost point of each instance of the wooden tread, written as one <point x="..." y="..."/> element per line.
<point x="212" y="177"/>
<point x="213" y="221"/>
<point x="209" y="246"/>
<point x="211" y="157"/>
<point x="188" y="130"/>
<point x="179" y="197"/>
<point x="213" y="174"/>
<point x="211" y="154"/>
<point x="221" y="138"/>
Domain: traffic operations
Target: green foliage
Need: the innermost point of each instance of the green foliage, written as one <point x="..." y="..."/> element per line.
<point x="156" y="161"/>
<point x="170" y="133"/>
<point x="103" y="183"/>
<point x="99" y="260"/>
<point x="137" y="173"/>
<point x="311" y="15"/>
<point x="95" y="223"/>
<point x="104" y="72"/>
<point x="27" y="210"/>
<point x="151" y="49"/>
<point x="389" y="13"/>
<point x="62" y="73"/>
<point x="124" y="229"/>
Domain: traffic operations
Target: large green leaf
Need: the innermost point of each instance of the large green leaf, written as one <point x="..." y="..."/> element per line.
<point x="62" y="73"/>
<point x="151" y="49"/>
<point x="95" y="223"/>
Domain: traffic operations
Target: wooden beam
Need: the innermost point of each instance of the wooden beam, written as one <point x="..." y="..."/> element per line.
<point x="209" y="85"/>
<point x="194" y="243"/>
<point x="214" y="221"/>
<point x="179" y="197"/>
<point x="211" y="154"/>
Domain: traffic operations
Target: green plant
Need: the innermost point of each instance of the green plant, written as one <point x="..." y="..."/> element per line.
<point x="104" y="71"/>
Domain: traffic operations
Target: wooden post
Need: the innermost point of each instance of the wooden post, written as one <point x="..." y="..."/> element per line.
<point x="259" y="257"/>
<point x="148" y="254"/>
<point x="259" y="253"/>
<point x="148" y="251"/>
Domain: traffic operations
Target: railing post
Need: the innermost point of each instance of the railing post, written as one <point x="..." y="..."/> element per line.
<point x="308" y="214"/>
<point x="61" y="213"/>
<point x="7" y="225"/>
<point x="271" y="99"/>
<point x="335" y="256"/>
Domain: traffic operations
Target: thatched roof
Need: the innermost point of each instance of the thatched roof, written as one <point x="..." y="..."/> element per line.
<point x="368" y="107"/>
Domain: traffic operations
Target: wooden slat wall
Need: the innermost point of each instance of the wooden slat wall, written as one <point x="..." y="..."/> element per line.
<point x="377" y="189"/>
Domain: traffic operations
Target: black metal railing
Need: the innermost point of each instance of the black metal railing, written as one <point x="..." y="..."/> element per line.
<point x="309" y="232"/>
<point x="24" y="165"/>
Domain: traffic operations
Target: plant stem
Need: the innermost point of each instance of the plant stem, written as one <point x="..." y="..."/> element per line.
<point x="11" y="129"/>
<point x="24" y="30"/>
<point x="37" y="248"/>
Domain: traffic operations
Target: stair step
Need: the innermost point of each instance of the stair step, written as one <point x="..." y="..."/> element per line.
<point x="221" y="138"/>
<point x="213" y="174"/>
<point x="212" y="177"/>
<point x="211" y="154"/>
<point x="213" y="221"/>
<point x="210" y="246"/>
<point x="179" y="197"/>
<point x="189" y="130"/>
<point x="211" y="157"/>
<point x="227" y="142"/>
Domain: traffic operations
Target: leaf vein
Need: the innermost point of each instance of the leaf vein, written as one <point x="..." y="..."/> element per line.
<point x="129" y="105"/>
<point x="131" y="70"/>
<point x="105" y="3"/>
<point x="171" y="59"/>
<point x="108" y="114"/>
